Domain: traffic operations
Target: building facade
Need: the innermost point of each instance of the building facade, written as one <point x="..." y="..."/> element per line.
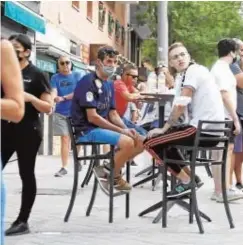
<point x="86" y="25"/>
<point x="22" y="17"/>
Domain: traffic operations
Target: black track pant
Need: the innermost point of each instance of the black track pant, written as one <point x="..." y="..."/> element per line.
<point x="25" y="140"/>
<point x="184" y="135"/>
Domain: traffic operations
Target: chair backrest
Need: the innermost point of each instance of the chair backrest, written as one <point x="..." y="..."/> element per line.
<point x="72" y="134"/>
<point x="221" y="130"/>
<point x="214" y="135"/>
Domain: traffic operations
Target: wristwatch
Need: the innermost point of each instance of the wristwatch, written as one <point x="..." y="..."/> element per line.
<point x="64" y="97"/>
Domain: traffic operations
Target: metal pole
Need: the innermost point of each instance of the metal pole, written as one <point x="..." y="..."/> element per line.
<point x="162" y="30"/>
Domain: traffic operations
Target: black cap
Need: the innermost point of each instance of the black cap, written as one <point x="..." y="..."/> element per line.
<point x="23" y="39"/>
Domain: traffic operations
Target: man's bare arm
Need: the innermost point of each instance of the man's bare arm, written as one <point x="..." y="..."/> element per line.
<point x="43" y="104"/>
<point x="239" y="80"/>
<point x="228" y="103"/>
<point x="178" y="110"/>
<point x="12" y="105"/>
<point x="116" y="119"/>
<point x="101" y="122"/>
<point x="131" y="97"/>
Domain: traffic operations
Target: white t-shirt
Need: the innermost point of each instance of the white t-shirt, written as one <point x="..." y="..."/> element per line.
<point x="206" y="101"/>
<point x="226" y="81"/>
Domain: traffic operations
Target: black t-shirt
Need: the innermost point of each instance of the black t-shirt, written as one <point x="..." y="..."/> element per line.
<point x="35" y="83"/>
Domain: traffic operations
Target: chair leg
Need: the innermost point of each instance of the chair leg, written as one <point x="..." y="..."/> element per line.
<point x="191" y="207"/>
<point x="128" y="194"/>
<point x="89" y="171"/>
<point x="153" y="173"/>
<point x="164" y="200"/>
<point x="85" y="153"/>
<point x="191" y="213"/>
<point x="194" y="199"/>
<point x="94" y="164"/>
<point x="111" y="191"/>
<point x="225" y="198"/>
<point x="91" y="203"/>
<point x="74" y="192"/>
<point x="208" y="170"/>
<point x="90" y="175"/>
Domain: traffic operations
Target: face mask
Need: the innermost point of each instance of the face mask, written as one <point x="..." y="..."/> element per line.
<point x="108" y="70"/>
<point x="18" y="55"/>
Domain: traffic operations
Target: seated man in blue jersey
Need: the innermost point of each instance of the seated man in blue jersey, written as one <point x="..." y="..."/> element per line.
<point x="93" y="110"/>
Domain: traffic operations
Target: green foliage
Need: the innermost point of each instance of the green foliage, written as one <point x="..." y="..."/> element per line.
<point x="149" y="50"/>
<point x="198" y="24"/>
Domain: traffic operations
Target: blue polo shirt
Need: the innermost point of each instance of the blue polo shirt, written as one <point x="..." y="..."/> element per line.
<point x="91" y="92"/>
<point x="65" y="84"/>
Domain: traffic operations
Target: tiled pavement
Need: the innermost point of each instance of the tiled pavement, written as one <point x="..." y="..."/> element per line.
<point x="47" y="224"/>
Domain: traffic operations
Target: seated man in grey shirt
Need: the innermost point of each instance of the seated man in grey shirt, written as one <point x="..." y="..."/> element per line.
<point x="237" y="69"/>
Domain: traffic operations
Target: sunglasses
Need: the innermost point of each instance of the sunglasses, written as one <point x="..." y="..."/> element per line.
<point x="62" y="63"/>
<point x="109" y="52"/>
<point x="133" y="76"/>
<point x="176" y="57"/>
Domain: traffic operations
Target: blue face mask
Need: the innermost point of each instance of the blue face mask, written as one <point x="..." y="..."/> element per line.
<point x="108" y="70"/>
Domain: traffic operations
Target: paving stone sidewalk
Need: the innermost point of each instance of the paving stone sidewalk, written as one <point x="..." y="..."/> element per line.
<point x="47" y="224"/>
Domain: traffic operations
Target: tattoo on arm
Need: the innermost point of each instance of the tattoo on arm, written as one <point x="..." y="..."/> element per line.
<point x="175" y="115"/>
<point x="171" y="120"/>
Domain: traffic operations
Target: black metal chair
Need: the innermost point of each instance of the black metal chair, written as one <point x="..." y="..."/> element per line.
<point x="95" y="157"/>
<point x="217" y="143"/>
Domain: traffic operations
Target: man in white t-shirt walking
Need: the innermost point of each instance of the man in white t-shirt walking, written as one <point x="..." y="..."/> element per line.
<point x="226" y="82"/>
<point x="206" y="104"/>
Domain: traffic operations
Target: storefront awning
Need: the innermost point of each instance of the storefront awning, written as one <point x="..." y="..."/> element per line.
<point x="54" y="52"/>
<point x="46" y="65"/>
<point x="79" y="65"/>
<point x="24" y="16"/>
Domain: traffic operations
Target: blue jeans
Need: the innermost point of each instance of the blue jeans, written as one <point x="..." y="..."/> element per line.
<point x="130" y="124"/>
<point x="2" y="205"/>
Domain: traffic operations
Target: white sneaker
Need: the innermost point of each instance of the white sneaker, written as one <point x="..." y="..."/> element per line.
<point x="232" y="195"/>
<point x="214" y="196"/>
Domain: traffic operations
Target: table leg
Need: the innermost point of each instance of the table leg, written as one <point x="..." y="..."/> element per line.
<point x="170" y="204"/>
<point x="144" y="171"/>
<point x="149" y="178"/>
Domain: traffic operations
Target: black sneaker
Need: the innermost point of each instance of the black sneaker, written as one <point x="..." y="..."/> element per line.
<point x="61" y="172"/>
<point x="18" y="228"/>
<point x="239" y="186"/>
<point x="180" y="190"/>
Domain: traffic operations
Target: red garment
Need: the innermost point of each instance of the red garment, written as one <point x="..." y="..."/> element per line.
<point x="121" y="103"/>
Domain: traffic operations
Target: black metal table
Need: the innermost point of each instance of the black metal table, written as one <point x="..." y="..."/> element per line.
<point x="162" y="99"/>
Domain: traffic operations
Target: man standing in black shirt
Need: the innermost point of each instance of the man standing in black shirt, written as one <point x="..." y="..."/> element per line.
<point x="25" y="137"/>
